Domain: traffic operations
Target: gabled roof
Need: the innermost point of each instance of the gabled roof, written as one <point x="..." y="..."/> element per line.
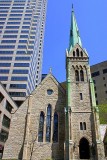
<point x="70" y="53"/>
<point x="53" y="79"/>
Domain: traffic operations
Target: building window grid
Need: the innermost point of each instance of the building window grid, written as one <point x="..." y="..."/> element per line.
<point x="15" y="7"/>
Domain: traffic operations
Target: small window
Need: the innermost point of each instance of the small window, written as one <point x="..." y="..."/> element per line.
<point x="81" y="126"/>
<point x="77" y="52"/>
<point x="81" y="96"/>
<point x="104" y="85"/>
<point x="84" y="126"/>
<point x="96" y="102"/>
<point x="82" y="75"/>
<point x="95" y="74"/>
<point x="73" y="53"/>
<point x="81" y="54"/>
<point x="96" y="95"/>
<point x="77" y="75"/>
<point x="49" y="91"/>
<point x="104" y="71"/>
<point x="94" y="81"/>
<point x="103" y="78"/>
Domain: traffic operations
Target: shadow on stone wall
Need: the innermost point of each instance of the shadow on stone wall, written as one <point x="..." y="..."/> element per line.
<point x="58" y="147"/>
<point x="20" y="156"/>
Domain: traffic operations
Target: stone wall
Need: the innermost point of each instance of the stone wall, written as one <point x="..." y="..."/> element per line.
<point x="38" y="101"/>
<point x="81" y="108"/>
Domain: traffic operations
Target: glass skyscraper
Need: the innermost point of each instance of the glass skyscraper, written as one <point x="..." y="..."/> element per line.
<point x="22" y="24"/>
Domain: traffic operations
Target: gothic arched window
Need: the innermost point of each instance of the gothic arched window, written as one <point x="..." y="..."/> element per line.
<point x="73" y="53"/>
<point x="77" y="52"/>
<point x="41" y="127"/>
<point x="77" y="75"/>
<point x="81" y="54"/>
<point x="55" y="130"/>
<point x="48" y="124"/>
<point x="81" y="75"/>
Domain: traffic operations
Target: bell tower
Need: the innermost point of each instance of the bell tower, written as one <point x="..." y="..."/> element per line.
<point x="82" y="115"/>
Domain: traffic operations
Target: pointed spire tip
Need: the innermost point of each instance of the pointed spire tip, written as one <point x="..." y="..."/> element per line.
<point x="72" y="7"/>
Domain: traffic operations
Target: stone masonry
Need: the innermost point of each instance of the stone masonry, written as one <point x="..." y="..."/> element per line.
<point x="25" y="123"/>
<point x="82" y="110"/>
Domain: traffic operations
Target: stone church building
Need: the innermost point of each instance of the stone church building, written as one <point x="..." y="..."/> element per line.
<point x="59" y="121"/>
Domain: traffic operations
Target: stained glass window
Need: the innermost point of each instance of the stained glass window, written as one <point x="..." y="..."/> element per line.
<point x="55" y="131"/>
<point x="41" y="127"/>
<point x="48" y="124"/>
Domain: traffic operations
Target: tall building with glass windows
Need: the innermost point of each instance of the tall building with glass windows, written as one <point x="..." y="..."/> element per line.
<point x="22" y="24"/>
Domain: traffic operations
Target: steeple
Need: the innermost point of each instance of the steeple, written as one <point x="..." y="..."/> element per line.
<point x="74" y="32"/>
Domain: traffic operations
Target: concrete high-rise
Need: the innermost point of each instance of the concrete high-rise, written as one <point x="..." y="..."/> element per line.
<point x="99" y="75"/>
<point x="22" y="24"/>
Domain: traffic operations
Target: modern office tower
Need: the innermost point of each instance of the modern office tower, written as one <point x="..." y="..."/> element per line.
<point x="22" y="24"/>
<point x="99" y="75"/>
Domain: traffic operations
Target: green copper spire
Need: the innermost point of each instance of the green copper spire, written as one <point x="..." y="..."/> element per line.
<point x="74" y="32"/>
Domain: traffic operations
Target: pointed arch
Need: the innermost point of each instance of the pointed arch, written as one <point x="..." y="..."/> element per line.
<point x="84" y="149"/>
<point x="73" y="66"/>
<point x="81" y="75"/>
<point x="77" y="52"/>
<point x="55" y="130"/>
<point x="76" y="75"/>
<point x="81" y="54"/>
<point x="73" y="53"/>
<point x="41" y="127"/>
<point x="80" y="67"/>
<point x="48" y="123"/>
<point x="77" y="67"/>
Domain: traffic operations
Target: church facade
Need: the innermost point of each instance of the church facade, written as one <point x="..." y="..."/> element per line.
<point x="56" y="122"/>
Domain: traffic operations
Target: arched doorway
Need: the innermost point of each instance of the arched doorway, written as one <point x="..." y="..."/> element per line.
<point x="84" y="150"/>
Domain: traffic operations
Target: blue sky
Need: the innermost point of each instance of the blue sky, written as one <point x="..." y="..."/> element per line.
<point x="91" y="16"/>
